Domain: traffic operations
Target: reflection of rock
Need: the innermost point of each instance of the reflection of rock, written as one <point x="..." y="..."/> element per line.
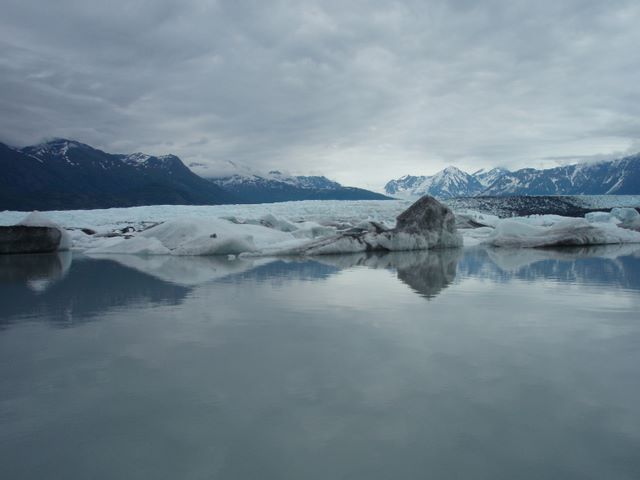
<point x="426" y="272"/>
<point x="433" y="274"/>
<point x="426" y="224"/>
<point x="37" y="271"/>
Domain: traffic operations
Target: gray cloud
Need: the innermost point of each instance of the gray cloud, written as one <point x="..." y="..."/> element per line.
<point x="362" y="91"/>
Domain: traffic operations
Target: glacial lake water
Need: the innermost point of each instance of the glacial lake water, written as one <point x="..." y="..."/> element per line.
<point x="474" y="364"/>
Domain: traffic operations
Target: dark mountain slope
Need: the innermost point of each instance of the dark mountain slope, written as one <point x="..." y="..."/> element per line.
<point x="64" y="174"/>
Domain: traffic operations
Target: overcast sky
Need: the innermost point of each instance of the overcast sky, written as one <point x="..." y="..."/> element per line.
<point x="361" y="91"/>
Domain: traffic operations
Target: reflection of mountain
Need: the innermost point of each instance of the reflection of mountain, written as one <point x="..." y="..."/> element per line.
<point x="89" y="288"/>
<point x="612" y="264"/>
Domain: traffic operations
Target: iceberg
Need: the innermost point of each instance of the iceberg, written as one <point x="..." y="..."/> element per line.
<point x="622" y="216"/>
<point x="196" y="236"/>
<point x="426" y="224"/>
<point x="564" y="232"/>
<point x="315" y="228"/>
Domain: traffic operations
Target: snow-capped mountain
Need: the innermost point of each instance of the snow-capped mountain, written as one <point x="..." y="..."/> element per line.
<point x="65" y="174"/>
<point x="448" y="183"/>
<point x="617" y="177"/>
<point x="620" y="177"/>
<point x="278" y="187"/>
<point x="276" y="177"/>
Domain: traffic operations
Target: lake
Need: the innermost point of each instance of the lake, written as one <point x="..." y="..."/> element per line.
<point x="471" y="364"/>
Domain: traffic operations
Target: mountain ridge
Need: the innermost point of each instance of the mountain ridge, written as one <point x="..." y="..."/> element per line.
<point x="275" y="187"/>
<point x="63" y="174"/>
<point x="613" y="177"/>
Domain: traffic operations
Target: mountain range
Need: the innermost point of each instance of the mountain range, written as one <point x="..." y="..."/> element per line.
<point x="64" y="174"/>
<point x="278" y="187"/>
<point x="615" y="177"/>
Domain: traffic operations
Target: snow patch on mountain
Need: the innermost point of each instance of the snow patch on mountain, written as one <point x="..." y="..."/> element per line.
<point x="488" y="177"/>
<point x="275" y="177"/>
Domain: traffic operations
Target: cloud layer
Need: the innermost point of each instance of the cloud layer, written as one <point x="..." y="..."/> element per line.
<point x="361" y="91"/>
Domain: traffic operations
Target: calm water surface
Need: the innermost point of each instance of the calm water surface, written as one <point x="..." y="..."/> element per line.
<point x="468" y="364"/>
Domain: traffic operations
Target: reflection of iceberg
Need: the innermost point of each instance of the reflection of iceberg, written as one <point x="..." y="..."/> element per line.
<point x="90" y="288"/>
<point x="510" y="259"/>
<point x="516" y="259"/>
<point x="185" y="270"/>
<point x="610" y="264"/>
<point x="38" y="271"/>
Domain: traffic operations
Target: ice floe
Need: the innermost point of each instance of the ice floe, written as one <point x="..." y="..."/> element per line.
<point x="565" y="232"/>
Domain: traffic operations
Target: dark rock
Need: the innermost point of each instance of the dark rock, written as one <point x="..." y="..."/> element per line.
<point x="24" y="239"/>
<point x="426" y="215"/>
<point x="88" y="231"/>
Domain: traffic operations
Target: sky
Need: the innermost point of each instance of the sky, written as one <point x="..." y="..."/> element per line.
<point x="359" y="91"/>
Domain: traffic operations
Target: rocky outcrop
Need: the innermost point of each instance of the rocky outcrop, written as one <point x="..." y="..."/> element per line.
<point x="34" y="234"/>
<point x="431" y="219"/>
<point x="24" y="239"/>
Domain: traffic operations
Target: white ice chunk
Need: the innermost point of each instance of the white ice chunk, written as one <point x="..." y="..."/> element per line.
<point x="479" y="217"/>
<point x="570" y="231"/>
<point x="626" y="215"/>
<point x="132" y="246"/>
<point x="598" y="217"/>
